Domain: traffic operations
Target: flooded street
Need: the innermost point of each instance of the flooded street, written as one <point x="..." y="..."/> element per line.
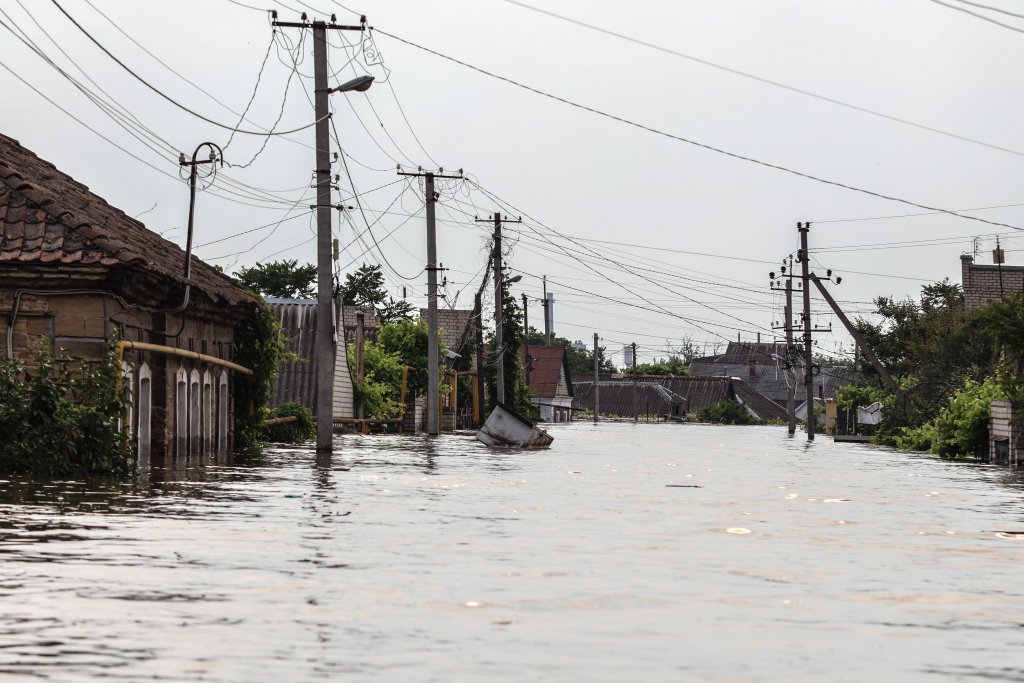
<point x="624" y="553"/>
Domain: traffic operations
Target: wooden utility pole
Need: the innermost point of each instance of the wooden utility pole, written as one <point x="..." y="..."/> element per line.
<point x="360" y="340"/>
<point x="433" y="362"/>
<point x="547" y="310"/>
<point x="803" y="229"/>
<point x="597" y="381"/>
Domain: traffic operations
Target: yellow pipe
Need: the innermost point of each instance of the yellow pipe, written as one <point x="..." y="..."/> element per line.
<point x="120" y="346"/>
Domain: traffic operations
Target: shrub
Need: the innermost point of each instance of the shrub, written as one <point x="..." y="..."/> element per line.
<point x="300" y="431"/>
<point x="727" y="412"/>
<point x="62" y="419"/>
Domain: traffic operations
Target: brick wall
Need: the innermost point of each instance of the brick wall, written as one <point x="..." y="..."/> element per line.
<point x="981" y="282"/>
<point x="452" y="324"/>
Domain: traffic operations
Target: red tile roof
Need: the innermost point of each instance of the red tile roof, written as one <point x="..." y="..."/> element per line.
<point x="546" y="368"/>
<point x="47" y="217"/>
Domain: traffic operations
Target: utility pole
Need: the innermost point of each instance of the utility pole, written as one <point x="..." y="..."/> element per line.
<point x="433" y="362"/>
<point x="790" y="371"/>
<point x="635" y="380"/>
<point x="528" y="363"/>
<point x="325" y="290"/>
<point x="547" y="311"/>
<point x="481" y="389"/>
<point x="597" y="382"/>
<point x="360" y="330"/>
<point x="499" y="304"/>
<point x="803" y="229"/>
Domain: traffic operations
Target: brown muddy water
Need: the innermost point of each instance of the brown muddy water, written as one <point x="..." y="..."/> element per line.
<point x="623" y="553"/>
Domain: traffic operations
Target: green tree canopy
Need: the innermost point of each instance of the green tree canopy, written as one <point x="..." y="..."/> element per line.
<point x="285" y="279"/>
<point x="365" y="287"/>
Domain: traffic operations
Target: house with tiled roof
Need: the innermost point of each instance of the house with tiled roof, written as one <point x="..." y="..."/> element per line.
<point x="75" y="272"/>
<point x="546" y="372"/>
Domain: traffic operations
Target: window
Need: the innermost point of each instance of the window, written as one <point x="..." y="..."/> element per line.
<point x="181" y="413"/>
<point x="208" y="416"/>
<point x="222" y="412"/>
<point x="145" y="400"/>
<point x="194" y="403"/>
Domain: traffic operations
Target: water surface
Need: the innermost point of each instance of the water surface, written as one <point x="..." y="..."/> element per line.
<point x="624" y="553"/>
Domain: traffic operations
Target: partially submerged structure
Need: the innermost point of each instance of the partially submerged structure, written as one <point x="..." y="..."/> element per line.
<point x="75" y="272"/>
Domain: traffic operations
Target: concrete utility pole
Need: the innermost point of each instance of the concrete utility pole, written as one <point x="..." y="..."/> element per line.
<point x="499" y="302"/>
<point x="790" y="371"/>
<point x="597" y="382"/>
<point x="803" y="229"/>
<point x="527" y="364"/>
<point x="325" y="290"/>
<point x="635" y="380"/>
<point x="547" y="311"/>
<point x="481" y="389"/>
<point x="360" y="330"/>
<point x="433" y="362"/>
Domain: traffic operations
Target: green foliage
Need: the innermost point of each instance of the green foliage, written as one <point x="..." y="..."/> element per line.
<point x="579" y="361"/>
<point x="63" y="418"/>
<point x="517" y="393"/>
<point x="292" y="432"/>
<point x="380" y="390"/>
<point x="673" y="365"/>
<point x="365" y="287"/>
<point x="934" y="343"/>
<point x="727" y="412"/>
<point x="406" y="342"/>
<point x="853" y="396"/>
<point x="258" y="346"/>
<point x="961" y="427"/>
<point x="286" y="279"/>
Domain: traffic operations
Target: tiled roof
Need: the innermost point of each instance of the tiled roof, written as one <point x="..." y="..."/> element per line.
<point x="49" y="218"/>
<point x="547" y="363"/>
<point x="761" y="406"/>
<point x="699" y="392"/>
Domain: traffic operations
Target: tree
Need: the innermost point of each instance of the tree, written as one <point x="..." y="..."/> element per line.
<point x="579" y="361"/>
<point x="365" y="287"/>
<point x="285" y="279"/>
<point x="673" y="365"/>
<point x="517" y="394"/>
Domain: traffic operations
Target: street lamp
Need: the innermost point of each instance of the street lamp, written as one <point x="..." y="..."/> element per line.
<point x="357" y="84"/>
<point x="325" y="285"/>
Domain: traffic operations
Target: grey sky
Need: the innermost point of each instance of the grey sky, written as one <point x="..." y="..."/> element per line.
<point x="579" y="174"/>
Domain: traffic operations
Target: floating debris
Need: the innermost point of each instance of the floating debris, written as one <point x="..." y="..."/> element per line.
<point x="683" y="486"/>
<point x="738" y="530"/>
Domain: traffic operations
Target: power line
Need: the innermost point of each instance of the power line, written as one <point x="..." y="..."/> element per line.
<point x="767" y="81"/>
<point x="990" y="7"/>
<point x="977" y="16"/>
<point x="695" y="143"/>
<point x="911" y="215"/>
<point x="169" y="98"/>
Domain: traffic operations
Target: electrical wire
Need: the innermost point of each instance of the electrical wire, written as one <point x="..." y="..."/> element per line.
<point x="990" y="7"/>
<point x="169" y="98"/>
<point x="767" y="81"/>
<point x="978" y="16"/>
<point x="695" y="143"/>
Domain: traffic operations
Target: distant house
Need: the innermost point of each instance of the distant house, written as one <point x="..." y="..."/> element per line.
<point x="622" y="398"/>
<point x="546" y="371"/>
<point x="983" y="282"/>
<point x="76" y="271"/>
<point x="762" y="367"/>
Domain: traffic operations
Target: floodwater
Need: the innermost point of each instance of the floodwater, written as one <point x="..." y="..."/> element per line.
<point x="624" y="553"/>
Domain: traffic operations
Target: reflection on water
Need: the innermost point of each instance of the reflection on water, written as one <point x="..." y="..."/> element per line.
<point x="624" y="553"/>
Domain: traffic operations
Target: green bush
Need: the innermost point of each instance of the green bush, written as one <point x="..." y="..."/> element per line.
<point x="292" y="432"/>
<point x="727" y="412"/>
<point x="961" y="427"/>
<point x="258" y="346"/>
<point x="62" y="419"/>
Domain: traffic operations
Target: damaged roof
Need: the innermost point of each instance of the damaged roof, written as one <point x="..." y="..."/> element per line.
<point x="47" y="217"/>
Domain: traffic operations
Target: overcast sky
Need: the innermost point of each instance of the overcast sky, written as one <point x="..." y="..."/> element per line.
<point x="650" y="199"/>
